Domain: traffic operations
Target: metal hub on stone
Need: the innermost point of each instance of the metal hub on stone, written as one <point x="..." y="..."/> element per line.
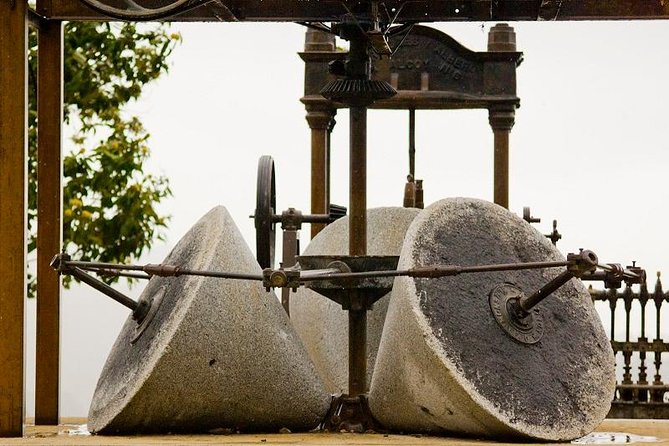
<point x="454" y="355"/>
<point x="527" y="329"/>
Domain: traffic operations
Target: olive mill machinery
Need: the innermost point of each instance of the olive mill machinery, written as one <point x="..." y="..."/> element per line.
<point x="475" y="292"/>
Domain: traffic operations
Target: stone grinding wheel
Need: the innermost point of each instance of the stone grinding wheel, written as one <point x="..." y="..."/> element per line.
<point x="322" y="323"/>
<point x="212" y="353"/>
<point x="444" y="363"/>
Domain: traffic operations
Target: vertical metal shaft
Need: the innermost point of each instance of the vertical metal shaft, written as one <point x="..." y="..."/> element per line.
<point x="412" y="142"/>
<point x="501" y="166"/>
<point x="290" y="248"/>
<point x="357" y="315"/>
<point x="357" y="347"/>
<point x="501" y="120"/>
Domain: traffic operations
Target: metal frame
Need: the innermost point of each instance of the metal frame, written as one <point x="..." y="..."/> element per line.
<point x="16" y="17"/>
<point x="497" y="94"/>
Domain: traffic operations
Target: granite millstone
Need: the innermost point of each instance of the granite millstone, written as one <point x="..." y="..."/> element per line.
<point x="321" y="323"/>
<point x="216" y="355"/>
<point x="445" y="365"/>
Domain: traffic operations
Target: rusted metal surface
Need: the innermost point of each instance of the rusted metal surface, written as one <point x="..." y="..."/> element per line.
<point x="643" y="390"/>
<point x="49" y="220"/>
<point x="13" y="202"/>
<point x="319" y="123"/>
<point x="357" y="315"/>
<point x="320" y="117"/>
<point x="414" y="11"/>
<point x="501" y="120"/>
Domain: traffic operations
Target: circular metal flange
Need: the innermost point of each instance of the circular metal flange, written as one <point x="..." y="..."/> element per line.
<point x="265" y="210"/>
<point x="154" y="304"/>
<point x="503" y="300"/>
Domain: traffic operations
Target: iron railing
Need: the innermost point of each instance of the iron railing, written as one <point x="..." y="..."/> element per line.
<point x="642" y="392"/>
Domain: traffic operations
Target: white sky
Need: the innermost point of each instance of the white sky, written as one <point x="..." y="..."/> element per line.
<point x="589" y="148"/>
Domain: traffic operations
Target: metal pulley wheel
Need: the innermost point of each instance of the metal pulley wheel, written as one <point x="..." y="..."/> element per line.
<point x="265" y="210"/>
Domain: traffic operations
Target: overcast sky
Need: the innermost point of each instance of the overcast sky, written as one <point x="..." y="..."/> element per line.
<point x="589" y="148"/>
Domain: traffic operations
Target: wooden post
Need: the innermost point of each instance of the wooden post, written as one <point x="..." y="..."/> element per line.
<point x="13" y="199"/>
<point x="49" y="224"/>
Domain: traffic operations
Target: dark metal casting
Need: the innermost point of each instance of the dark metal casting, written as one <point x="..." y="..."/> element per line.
<point x="351" y="414"/>
<point x="336" y="277"/>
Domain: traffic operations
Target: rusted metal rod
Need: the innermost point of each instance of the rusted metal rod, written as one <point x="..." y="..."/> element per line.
<point x="579" y="265"/>
<point x="64" y="265"/>
<point x="526" y="303"/>
<point x="308" y="218"/>
<point x="412" y="142"/>
<point x="431" y="271"/>
<point x="435" y="271"/>
<point x="103" y="288"/>
<point x="357" y="317"/>
<point x="112" y="273"/>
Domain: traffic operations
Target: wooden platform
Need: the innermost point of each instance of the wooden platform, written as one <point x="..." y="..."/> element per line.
<point x="66" y="434"/>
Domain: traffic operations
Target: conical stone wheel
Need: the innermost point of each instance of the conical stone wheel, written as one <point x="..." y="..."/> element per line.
<point x="446" y="366"/>
<point x="211" y="354"/>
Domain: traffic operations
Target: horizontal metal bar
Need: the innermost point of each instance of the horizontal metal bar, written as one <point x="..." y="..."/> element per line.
<point x="157" y="270"/>
<point x="437" y="271"/>
<point x="112" y="273"/>
<point x="318" y="274"/>
<point x="664" y="387"/>
<point x="101" y="265"/>
<point x="220" y="275"/>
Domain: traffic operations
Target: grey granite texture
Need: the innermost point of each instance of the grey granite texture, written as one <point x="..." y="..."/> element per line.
<point x="445" y="365"/>
<point x="321" y="323"/>
<point x="218" y="354"/>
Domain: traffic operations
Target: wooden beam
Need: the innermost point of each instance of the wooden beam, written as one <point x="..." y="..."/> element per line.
<point x="13" y="193"/>
<point x="49" y="223"/>
<point x="603" y="10"/>
<point x="415" y="10"/>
